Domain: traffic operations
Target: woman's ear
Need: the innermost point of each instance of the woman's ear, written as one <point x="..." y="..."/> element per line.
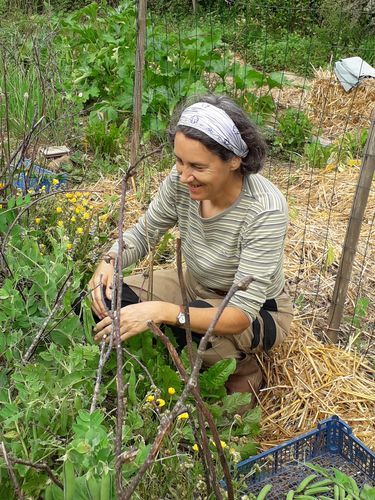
<point x="235" y="163"/>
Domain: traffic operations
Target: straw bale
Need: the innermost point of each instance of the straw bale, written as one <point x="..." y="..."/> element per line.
<point x="335" y="111"/>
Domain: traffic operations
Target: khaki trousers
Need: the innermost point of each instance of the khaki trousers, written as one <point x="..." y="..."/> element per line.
<point x="268" y="330"/>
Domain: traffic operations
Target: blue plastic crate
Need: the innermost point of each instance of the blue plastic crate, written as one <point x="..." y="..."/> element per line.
<point x="331" y="445"/>
<point x="36" y="177"/>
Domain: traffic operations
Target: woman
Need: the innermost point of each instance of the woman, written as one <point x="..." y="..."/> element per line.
<point x="232" y="223"/>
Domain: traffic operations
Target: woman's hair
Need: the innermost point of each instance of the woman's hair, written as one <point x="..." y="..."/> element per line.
<point x="253" y="161"/>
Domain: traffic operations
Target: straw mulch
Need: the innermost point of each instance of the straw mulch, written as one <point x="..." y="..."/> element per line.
<point x="335" y="111"/>
<point x="309" y="381"/>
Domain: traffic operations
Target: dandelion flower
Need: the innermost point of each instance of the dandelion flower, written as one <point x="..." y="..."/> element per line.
<point x="183" y="416"/>
<point x="73" y="200"/>
<point x="55" y="182"/>
<point x="60" y="223"/>
<point x="171" y="390"/>
<point x="86" y="216"/>
<point x="37" y="220"/>
<point x="150" y="398"/>
<point x="77" y="210"/>
<point x="73" y="219"/>
<point x="58" y="210"/>
<point x="79" y="230"/>
<point x="69" y="246"/>
<point x="68" y="196"/>
<point x="78" y="194"/>
<point x="195" y="447"/>
<point x="160" y="402"/>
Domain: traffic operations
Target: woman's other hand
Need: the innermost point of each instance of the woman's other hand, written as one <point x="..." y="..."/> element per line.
<point x="134" y="318"/>
<point x="103" y="274"/>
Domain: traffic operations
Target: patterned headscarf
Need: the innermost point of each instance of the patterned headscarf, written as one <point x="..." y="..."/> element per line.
<point x="215" y="123"/>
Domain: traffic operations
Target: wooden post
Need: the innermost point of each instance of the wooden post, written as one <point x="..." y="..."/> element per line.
<point x="352" y="234"/>
<point x="138" y="83"/>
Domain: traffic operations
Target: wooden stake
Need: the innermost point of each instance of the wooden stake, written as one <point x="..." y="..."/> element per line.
<point x="138" y="83"/>
<point x="352" y="234"/>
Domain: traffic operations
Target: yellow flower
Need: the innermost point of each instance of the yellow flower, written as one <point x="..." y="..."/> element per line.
<point x="354" y="163"/>
<point x="91" y="207"/>
<point x="43" y="188"/>
<point x="69" y="196"/>
<point x="55" y="182"/>
<point x="183" y="416"/>
<point x="223" y="444"/>
<point x="86" y="216"/>
<point x="58" y="210"/>
<point x="78" y="194"/>
<point x="104" y="218"/>
<point x="2" y="185"/>
<point x="79" y="230"/>
<point x="37" y="220"/>
<point x="69" y="246"/>
<point x="171" y="390"/>
<point x="77" y="210"/>
<point x="160" y="402"/>
<point x="60" y="223"/>
<point x="195" y="447"/>
<point x="85" y="202"/>
<point x="150" y="398"/>
<point x="73" y="200"/>
<point x="73" y="219"/>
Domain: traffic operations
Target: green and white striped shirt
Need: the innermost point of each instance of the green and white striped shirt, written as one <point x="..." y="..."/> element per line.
<point x="245" y="239"/>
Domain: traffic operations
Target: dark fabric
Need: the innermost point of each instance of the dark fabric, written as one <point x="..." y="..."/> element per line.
<point x="270" y="305"/>
<point x="256" y="334"/>
<point x="269" y="330"/>
<point x="128" y="297"/>
<point x="180" y="333"/>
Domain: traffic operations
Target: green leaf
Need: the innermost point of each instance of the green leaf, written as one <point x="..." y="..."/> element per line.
<point x="142" y="454"/>
<point x="216" y="376"/>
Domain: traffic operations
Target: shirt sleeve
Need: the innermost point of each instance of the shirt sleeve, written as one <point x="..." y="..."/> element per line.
<point x="261" y="257"/>
<point x="160" y="216"/>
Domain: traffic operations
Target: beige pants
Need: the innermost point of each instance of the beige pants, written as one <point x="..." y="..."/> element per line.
<point x="268" y="330"/>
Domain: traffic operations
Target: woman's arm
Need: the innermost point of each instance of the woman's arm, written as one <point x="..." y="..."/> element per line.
<point x="134" y="319"/>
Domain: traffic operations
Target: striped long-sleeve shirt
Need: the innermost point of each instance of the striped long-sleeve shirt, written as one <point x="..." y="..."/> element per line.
<point x="245" y="239"/>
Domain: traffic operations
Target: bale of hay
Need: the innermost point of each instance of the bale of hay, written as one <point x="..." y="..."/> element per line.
<point x="335" y="111"/>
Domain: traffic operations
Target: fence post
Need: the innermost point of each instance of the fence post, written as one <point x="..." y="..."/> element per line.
<point x="352" y="234"/>
<point x="138" y="82"/>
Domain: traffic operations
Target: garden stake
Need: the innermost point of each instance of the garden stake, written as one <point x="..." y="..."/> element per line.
<point x="12" y="475"/>
<point x="166" y="422"/>
<point x="117" y="292"/>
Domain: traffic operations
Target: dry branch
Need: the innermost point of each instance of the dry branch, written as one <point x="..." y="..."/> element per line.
<point x="12" y="475"/>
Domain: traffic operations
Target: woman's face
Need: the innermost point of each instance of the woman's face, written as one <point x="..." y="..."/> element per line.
<point x="205" y="174"/>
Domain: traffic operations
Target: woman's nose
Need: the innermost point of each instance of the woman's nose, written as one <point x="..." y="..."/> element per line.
<point x="185" y="174"/>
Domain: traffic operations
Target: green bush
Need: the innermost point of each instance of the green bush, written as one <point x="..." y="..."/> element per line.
<point x="294" y="129"/>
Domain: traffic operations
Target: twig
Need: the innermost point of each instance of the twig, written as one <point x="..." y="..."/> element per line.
<point x="39" y="335"/>
<point x="200" y="405"/>
<point x="42" y="467"/>
<point x="189" y="340"/>
<point x="118" y="280"/>
<point x="12" y="475"/>
<point x="204" y="450"/>
<point x="167" y="421"/>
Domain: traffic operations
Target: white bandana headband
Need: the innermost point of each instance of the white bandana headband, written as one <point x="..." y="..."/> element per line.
<point x="215" y="123"/>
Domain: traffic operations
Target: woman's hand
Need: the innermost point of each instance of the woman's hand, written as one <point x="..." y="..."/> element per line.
<point x="133" y="319"/>
<point x="104" y="275"/>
